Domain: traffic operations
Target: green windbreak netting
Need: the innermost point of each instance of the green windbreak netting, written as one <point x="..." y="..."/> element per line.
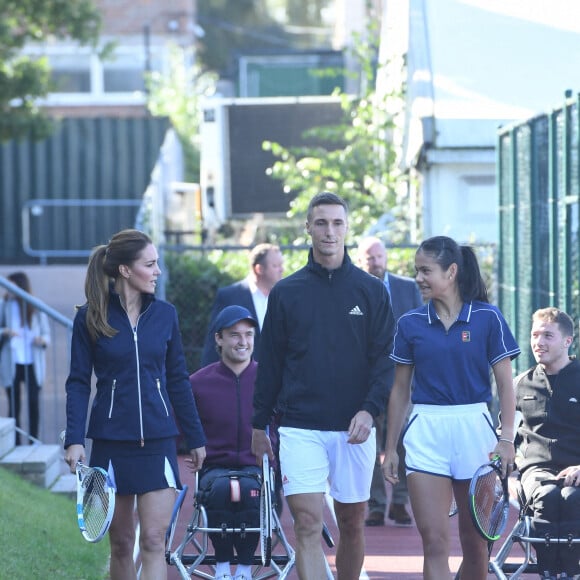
<point x="538" y="177"/>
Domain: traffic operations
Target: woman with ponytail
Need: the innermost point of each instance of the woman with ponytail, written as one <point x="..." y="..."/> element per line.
<point x="131" y="343"/>
<point x="452" y="345"/>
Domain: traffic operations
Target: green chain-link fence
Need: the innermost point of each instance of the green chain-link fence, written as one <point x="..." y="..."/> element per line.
<point x="538" y="176"/>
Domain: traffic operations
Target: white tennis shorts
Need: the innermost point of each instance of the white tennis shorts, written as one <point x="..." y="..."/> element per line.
<point x="449" y="440"/>
<point x="310" y="460"/>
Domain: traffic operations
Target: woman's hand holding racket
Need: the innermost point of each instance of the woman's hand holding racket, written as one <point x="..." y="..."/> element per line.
<point x="73" y="455"/>
<point x="505" y="451"/>
<point x="95" y="494"/>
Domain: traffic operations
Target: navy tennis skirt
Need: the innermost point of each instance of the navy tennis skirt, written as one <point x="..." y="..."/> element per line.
<point x="138" y="469"/>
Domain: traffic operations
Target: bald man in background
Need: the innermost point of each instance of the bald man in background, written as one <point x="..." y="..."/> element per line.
<point x="405" y="296"/>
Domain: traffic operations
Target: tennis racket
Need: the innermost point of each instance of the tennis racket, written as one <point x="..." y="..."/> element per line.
<point x="489" y="500"/>
<point x="266" y="512"/>
<point x="170" y="532"/>
<point x="95" y="501"/>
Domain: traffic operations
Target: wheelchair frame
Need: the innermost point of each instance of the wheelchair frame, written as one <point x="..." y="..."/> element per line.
<point x="276" y="558"/>
<point x="521" y="535"/>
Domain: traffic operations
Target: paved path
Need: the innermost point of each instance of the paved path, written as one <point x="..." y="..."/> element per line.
<point x="392" y="552"/>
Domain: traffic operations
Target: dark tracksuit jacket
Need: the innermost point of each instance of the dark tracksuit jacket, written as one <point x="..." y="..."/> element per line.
<point x="550" y="433"/>
<point x="325" y="345"/>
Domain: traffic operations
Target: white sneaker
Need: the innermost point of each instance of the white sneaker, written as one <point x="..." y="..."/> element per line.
<point x="224" y="577"/>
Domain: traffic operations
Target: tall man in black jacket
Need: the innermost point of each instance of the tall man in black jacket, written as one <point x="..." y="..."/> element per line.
<point x="323" y="367"/>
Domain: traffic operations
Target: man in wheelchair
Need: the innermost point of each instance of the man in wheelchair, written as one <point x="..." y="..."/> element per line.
<point x="229" y="482"/>
<point x="548" y="442"/>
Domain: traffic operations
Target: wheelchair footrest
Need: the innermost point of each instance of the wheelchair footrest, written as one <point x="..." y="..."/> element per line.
<point x="210" y="560"/>
<point x="511" y="567"/>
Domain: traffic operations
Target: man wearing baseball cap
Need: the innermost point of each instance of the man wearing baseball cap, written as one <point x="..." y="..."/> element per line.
<point x="223" y="393"/>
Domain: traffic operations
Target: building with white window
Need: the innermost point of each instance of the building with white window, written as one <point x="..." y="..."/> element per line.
<point x="140" y="35"/>
<point x="472" y="66"/>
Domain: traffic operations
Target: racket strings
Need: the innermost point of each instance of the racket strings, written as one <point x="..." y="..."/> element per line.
<point x="488" y="502"/>
<point x="95" y="503"/>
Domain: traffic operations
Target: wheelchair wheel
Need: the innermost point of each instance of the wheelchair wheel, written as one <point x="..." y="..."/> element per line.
<point x="266" y="512"/>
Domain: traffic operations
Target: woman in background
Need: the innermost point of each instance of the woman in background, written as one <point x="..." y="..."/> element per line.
<point x="25" y="333"/>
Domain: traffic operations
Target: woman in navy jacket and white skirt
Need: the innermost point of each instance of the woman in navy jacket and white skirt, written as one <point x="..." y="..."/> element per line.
<point x="131" y="342"/>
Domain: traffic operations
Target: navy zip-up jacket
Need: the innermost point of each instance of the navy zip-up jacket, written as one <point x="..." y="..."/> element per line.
<point x="140" y="374"/>
<point x="324" y="353"/>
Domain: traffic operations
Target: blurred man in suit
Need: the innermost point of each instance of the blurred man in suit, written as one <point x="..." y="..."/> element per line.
<point x="266" y="268"/>
<point x="405" y="295"/>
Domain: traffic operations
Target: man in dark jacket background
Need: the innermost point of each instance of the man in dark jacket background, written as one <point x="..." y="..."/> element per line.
<point x="404" y="294"/>
<point x="547" y="441"/>
<point x="266" y="268"/>
<point x="323" y="366"/>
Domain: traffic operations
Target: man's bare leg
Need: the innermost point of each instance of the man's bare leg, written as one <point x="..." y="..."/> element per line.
<point x="350" y="552"/>
<point x="306" y="509"/>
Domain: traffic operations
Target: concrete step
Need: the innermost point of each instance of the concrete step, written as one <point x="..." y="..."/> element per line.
<point x="7" y="429"/>
<point x="66" y="485"/>
<point x="39" y="464"/>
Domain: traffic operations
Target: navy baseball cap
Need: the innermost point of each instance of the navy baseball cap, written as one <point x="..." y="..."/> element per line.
<point x="231" y="315"/>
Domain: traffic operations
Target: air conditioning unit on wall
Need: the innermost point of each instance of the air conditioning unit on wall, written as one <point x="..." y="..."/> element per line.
<point x="234" y="179"/>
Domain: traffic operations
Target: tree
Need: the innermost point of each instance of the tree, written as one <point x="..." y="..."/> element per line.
<point x="177" y="95"/>
<point x="235" y="27"/>
<point x="24" y="79"/>
<point x="359" y="161"/>
<point x="258" y="26"/>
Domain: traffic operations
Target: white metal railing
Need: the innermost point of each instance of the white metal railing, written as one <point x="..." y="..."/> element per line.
<point x="52" y="396"/>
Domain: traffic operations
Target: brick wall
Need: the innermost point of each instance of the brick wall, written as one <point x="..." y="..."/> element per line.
<point x="128" y="17"/>
<point x="98" y="111"/>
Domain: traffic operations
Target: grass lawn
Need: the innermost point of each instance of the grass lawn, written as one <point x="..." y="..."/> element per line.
<point x="39" y="536"/>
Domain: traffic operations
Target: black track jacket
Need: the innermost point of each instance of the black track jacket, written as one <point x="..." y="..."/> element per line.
<point x="549" y="436"/>
<point x="324" y="352"/>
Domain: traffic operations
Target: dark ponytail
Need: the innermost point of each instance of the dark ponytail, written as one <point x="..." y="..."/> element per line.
<point x="471" y="283"/>
<point x="446" y="251"/>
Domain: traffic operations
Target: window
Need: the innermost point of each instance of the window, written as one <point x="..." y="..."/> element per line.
<point x="80" y="77"/>
<point x="124" y="73"/>
<point x="71" y="73"/>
